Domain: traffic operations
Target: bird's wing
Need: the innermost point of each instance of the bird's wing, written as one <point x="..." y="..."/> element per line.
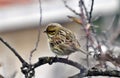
<point x="69" y="34"/>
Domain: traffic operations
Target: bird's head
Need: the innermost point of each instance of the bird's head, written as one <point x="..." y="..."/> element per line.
<point x="52" y="29"/>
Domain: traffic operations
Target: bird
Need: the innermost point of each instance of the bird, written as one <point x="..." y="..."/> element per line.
<point x="62" y="41"/>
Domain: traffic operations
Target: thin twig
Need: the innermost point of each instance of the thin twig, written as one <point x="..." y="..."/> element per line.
<point x="38" y="37"/>
<point x="65" y="3"/>
<point x="85" y="9"/>
<point x="91" y="10"/>
<point x="81" y="2"/>
<point x="82" y="13"/>
<point x="93" y="29"/>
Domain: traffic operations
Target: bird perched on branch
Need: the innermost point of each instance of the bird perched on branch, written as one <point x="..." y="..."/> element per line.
<point x="62" y="41"/>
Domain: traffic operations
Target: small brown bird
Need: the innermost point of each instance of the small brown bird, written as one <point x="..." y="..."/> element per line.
<point x="62" y="41"/>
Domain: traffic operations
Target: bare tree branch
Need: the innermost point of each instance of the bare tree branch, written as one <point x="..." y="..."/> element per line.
<point x="14" y="51"/>
<point x="51" y="60"/>
<point x="84" y="23"/>
<point x="38" y="37"/>
<point x="65" y="3"/>
<point x="28" y="69"/>
<point x="24" y="63"/>
<point x="90" y="13"/>
<point x="82" y="4"/>
<point x="110" y="73"/>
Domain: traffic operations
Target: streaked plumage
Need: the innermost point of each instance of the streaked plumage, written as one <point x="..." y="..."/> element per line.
<point x="62" y="41"/>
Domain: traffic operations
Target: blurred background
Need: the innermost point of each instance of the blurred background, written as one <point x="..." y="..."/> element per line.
<point x="19" y="21"/>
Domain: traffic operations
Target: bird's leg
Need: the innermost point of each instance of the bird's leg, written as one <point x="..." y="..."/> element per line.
<point x="55" y="56"/>
<point x="52" y="60"/>
<point x="67" y="57"/>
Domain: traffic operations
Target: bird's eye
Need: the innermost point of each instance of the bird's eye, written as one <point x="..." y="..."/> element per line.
<point x="52" y="32"/>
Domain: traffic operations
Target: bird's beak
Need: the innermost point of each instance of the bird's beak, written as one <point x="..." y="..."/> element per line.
<point x="45" y="31"/>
